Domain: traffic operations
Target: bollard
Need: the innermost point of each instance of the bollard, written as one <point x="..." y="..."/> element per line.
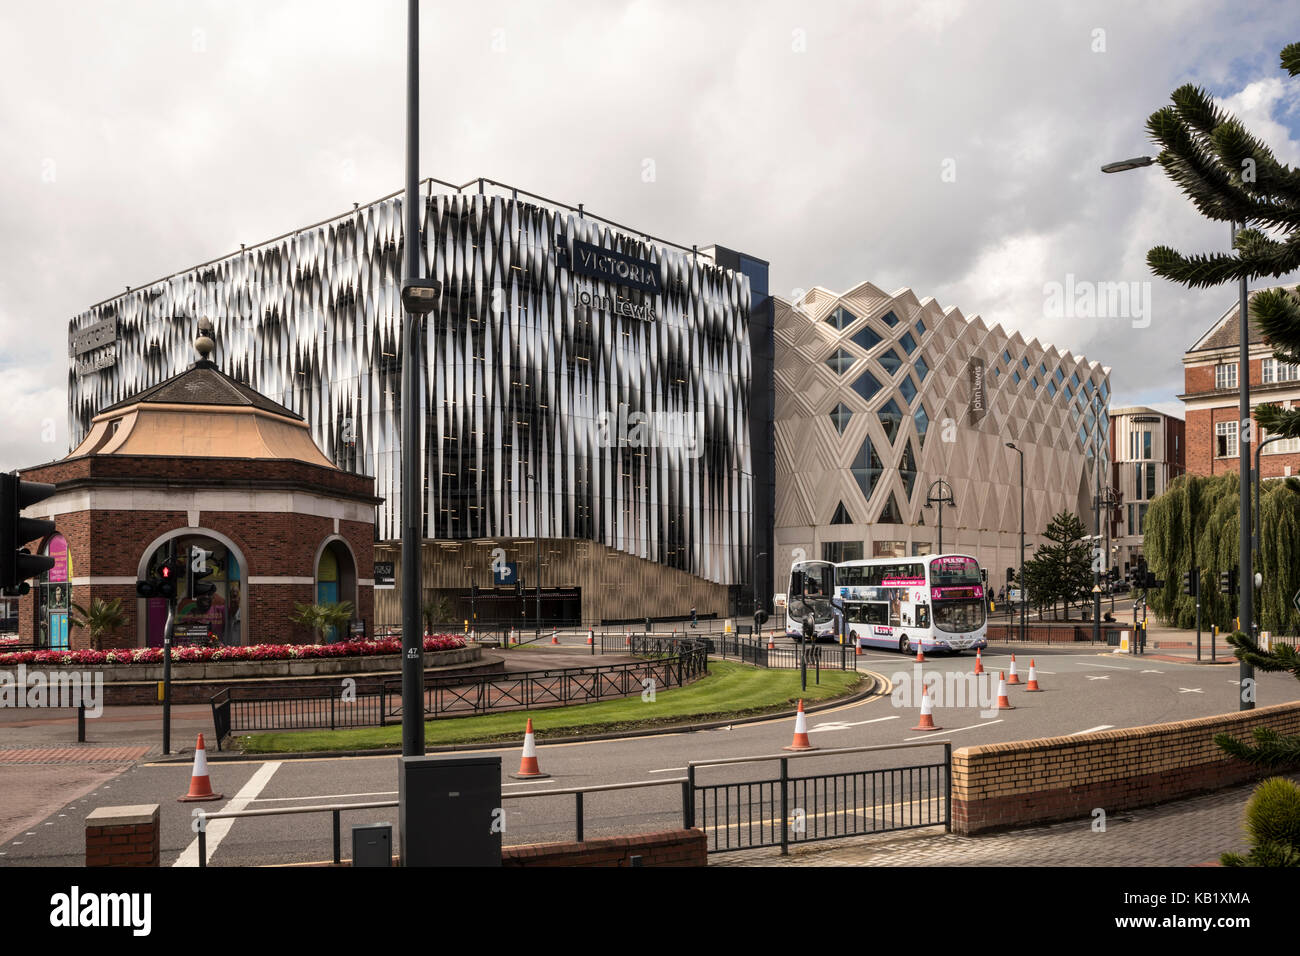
<point x="81" y="723"/>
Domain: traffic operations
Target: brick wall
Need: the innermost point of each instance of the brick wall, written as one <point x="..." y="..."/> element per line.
<point x="669" y="848"/>
<point x="1065" y="778"/>
<point x="123" y="836"/>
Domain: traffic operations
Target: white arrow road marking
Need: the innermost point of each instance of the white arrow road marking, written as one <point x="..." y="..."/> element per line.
<point x="1152" y="672"/>
<point x="845" y="725"/>
<point x="217" y="829"/>
<point x="1189" y="690"/>
<point x="1097" y="676"/>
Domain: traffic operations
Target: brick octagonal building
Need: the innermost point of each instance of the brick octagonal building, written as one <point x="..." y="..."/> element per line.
<point x="200" y="460"/>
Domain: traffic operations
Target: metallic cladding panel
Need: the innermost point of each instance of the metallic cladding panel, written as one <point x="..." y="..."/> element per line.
<point x="532" y="370"/>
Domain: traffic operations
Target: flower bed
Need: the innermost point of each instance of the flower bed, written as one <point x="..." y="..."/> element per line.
<point x="253" y="652"/>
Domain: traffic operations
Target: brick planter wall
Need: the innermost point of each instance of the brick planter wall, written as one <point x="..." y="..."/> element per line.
<point x="1065" y="778"/>
<point x="123" y="836"/>
<point x="669" y="848"/>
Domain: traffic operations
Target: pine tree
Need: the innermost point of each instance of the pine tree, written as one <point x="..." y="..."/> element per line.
<point x="1231" y="176"/>
<point x="1061" y="571"/>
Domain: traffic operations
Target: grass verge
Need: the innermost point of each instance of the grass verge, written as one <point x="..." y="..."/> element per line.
<point x="730" y="690"/>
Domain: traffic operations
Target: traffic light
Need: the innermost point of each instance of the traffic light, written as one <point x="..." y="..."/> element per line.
<point x="1191" y="582"/>
<point x="196" y="587"/>
<point x="1011" y="575"/>
<point x="169" y="576"/>
<point x="17" y="564"/>
<point x="1227" y="582"/>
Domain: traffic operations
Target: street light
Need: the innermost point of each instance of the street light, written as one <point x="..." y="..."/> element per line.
<point x="1245" y="601"/>
<point x="943" y="499"/>
<point x="1023" y="595"/>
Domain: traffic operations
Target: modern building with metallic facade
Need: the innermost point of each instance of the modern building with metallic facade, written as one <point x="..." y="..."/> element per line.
<point x="879" y="396"/>
<point x="1149" y="450"/>
<point x="586" y="406"/>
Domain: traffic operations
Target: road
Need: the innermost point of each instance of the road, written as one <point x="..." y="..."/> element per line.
<point x="1083" y="692"/>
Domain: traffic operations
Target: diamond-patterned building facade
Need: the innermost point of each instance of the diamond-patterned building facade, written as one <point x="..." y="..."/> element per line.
<point x="873" y="405"/>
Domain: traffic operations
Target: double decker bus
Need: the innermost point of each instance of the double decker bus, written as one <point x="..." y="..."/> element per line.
<point x="936" y="603"/>
<point x="812" y="585"/>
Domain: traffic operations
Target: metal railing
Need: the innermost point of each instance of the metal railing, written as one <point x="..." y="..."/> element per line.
<point x="747" y="650"/>
<point x="751" y="814"/>
<point x="240" y="710"/>
<point x="783" y="810"/>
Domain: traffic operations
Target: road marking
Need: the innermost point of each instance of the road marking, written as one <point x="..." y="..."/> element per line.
<point x="956" y="730"/>
<point x="1097" y="676"/>
<point x="1152" y="672"/>
<point x="217" y="829"/>
<point x="524" y="783"/>
<point x="846" y="724"/>
<point x="1091" y="730"/>
<point x="1114" y="667"/>
<point x="1189" y="690"/>
<point x="666" y="770"/>
<point x="326" y="796"/>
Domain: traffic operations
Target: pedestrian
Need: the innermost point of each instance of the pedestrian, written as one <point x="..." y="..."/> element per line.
<point x="694" y="620"/>
<point x="1002" y="594"/>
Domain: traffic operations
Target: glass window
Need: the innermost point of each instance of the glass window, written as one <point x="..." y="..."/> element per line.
<point x="920" y="327"/>
<point x="1024" y="363"/>
<point x="837" y="551"/>
<point x="866" y="468"/>
<point x="907" y="470"/>
<point x="1051" y="388"/>
<point x="890" y="513"/>
<point x="1059" y="376"/>
<point x="1074" y="380"/>
<point x="1225" y="439"/>
<point x="923" y="369"/>
<point x="866" y="385"/>
<point x="889" y="549"/>
<point x="1146" y="444"/>
<point x="889" y="319"/>
<point x="891" y="416"/>
<point x="1151" y="481"/>
<point x="891" y="361"/>
<point x="908" y="389"/>
<point x="908" y="343"/>
<point x="1034" y="383"/>
<point x="841" y="318"/>
<point x="841" y="515"/>
<point x="840" y="415"/>
<point x="1015" y="377"/>
<point x="1006" y="356"/>
<point x="923" y="423"/>
<point x="866" y="338"/>
<point x="840" y="361"/>
<point x="997" y="373"/>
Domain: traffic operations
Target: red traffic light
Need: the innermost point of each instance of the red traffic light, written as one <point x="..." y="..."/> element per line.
<point x="166" y="570"/>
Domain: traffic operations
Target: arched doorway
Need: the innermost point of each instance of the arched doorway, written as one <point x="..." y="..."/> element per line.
<point x="215" y="618"/>
<point x="336" y="576"/>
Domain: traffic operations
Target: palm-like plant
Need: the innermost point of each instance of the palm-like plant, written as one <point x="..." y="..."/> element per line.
<point x="103" y="618"/>
<point x="321" y="619"/>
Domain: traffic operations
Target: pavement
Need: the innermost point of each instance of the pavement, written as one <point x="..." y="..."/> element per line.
<point x="1188" y="832"/>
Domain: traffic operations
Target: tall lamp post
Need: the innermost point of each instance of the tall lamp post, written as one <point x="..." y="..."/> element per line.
<point x="1246" y="581"/>
<point x="1023" y="594"/>
<point x="943" y="498"/>
<point x="419" y="297"/>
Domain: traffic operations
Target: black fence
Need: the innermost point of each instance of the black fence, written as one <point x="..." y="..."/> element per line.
<point x="672" y="663"/>
<point x="740" y="647"/>
<point x="786" y="808"/>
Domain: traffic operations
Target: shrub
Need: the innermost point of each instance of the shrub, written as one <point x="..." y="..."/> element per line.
<point x="1273" y="825"/>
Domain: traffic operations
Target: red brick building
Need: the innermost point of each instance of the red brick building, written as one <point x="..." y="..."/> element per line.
<point x="1211" y="383"/>
<point x="200" y="461"/>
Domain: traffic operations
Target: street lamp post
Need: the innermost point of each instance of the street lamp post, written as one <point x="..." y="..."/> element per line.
<point x="944" y="498"/>
<point x="1023" y="595"/>
<point x="1246" y="581"/>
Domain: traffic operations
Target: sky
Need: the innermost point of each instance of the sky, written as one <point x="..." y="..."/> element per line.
<point x="946" y="146"/>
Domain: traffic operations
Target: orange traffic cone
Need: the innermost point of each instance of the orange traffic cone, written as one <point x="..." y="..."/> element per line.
<point x="528" y="763"/>
<point x="200" y="785"/>
<point x="771" y="640"/>
<point x="1003" y="703"/>
<point x="590" y="636"/>
<point x="555" y="635"/>
<point x="1012" y="676"/>
<point x="1033" y="678"/>
<point x="800" y="741"/>
<point x="920" y="655"/>
<point x="857" y="649"/>
<point x="979" y="662"/>
<point x="927" y="714"/>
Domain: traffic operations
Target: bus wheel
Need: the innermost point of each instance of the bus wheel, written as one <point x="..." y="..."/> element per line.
<point x="904" y="645"/>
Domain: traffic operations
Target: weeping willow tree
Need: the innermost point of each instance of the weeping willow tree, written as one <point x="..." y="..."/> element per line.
<point x="1195" y="522"/>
